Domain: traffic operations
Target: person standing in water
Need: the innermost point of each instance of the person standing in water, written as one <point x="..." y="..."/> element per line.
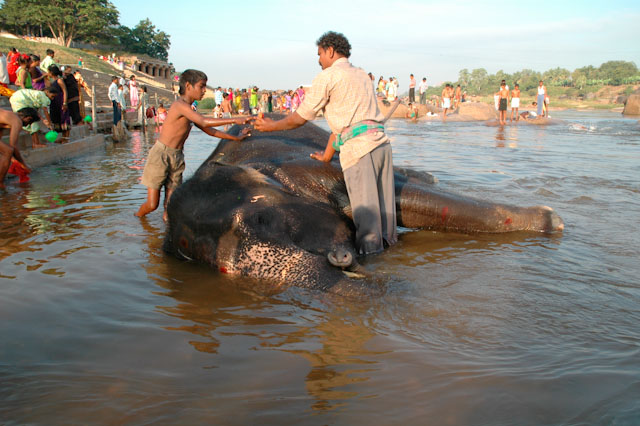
<point x="542" y="94"/>
<point x="515" y="101"/>
<point x="344" y="94"/>
<point x="446" y="101"/>
<point x="503" y="100"/>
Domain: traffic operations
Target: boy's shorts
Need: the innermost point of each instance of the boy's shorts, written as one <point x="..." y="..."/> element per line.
<point x="164" y="167"/>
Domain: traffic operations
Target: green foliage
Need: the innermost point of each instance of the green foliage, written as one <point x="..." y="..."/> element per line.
<point x="92" y="21"/>
<point x="65" y="20"/>
<point x="585" y="80"/>
<point x="145" y="39"/>
<point x="207" y="103"/>
<point x="617" y="71"/>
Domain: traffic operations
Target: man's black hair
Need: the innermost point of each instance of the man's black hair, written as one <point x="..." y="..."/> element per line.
<point x="50" y="52"/>
<point x="34" y="58"/>
<point x="31" y="113"/>
<point x="191" y="77"/>
<point x="338" y="41"/>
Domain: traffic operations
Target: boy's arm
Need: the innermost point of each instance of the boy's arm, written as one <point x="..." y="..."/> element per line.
<point x="204" y="122"/>
<point x="245" y="133"/>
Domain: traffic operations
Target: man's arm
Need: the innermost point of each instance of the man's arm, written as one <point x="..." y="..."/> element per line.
<point x="16" y="125"/>
<point x="292" y="121"/>
<point x="47" y="118"/>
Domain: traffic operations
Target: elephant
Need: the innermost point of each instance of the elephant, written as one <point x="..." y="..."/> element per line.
<point x="262" y="208"/>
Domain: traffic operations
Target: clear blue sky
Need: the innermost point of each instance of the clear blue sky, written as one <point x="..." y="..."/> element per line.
<point x="271" y="44"/>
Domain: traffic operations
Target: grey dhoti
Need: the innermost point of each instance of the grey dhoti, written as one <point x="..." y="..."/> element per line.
<point x="371" y="190"/>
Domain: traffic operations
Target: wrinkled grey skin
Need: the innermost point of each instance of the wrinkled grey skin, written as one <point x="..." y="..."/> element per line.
<point x="262" y="208"/>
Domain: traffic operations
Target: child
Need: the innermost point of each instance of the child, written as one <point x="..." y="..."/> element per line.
<point x="226" y="106"/>
<point x="162" y="115"/>
<point x="165" y="162"/>
<point x="412" y="112"/>
<point x="217" y="111"/>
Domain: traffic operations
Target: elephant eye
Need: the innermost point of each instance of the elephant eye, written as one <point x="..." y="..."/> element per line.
<point x="183" y="242"/>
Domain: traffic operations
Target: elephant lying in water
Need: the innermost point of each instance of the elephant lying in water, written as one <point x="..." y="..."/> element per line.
<point x="263" y="208"/>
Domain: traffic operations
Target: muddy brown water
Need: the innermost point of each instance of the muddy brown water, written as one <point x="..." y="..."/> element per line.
<point x="99" y="325"/>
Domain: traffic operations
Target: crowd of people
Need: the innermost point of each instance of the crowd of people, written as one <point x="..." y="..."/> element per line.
<point x="504" y="95"/>
<point x="126" y="95"/>
<point x="252" y="101"/>
<point x="55" y="92"/>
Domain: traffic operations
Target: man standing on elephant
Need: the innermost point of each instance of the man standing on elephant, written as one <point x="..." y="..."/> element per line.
<point x="345" y="96"/>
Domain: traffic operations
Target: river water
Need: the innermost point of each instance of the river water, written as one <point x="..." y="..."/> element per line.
<point x="99" y="325"/>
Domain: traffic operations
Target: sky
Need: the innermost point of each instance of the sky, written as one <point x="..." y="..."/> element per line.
<point x="271" y="43"/>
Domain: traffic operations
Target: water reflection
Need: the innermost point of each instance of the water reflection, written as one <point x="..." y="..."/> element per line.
<point x="500" y="137"/>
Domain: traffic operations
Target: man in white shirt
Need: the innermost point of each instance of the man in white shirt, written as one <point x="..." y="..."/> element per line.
<point x="342" y="92"/>
<point x="115" y="99"/>
<point x="47" y="61"/>
<point x="412" y="88"/>
<point x="423" y="91"/>
<point x="217" y="96"/>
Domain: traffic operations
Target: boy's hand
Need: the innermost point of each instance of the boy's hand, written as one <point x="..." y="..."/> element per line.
<point x="244" y="120"/>
<point x="244" y="133"/>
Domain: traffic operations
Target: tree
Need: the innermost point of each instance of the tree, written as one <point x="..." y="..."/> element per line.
<point x="144" y="38"/>
<point x="464" y="77"/>
<point x="67" y="20"/>
<point x="20" y="16"/>
<point x="617" y="71"/>
<point x="557" y="76"/>
<point x="478" y="79"/>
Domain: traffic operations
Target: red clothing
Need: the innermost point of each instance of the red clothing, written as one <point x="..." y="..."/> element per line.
<point x="12" y="66"/>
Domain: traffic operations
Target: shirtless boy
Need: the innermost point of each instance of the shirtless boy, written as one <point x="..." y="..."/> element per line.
<point x="226" y="106"/>
<point x="458" y="96"/>
<point x="515" y="102"/>
<point x="165" y="162"/>
<point x="14" y="122"/>
<point x="447" y="92"/>
<point x="504" y="96"/>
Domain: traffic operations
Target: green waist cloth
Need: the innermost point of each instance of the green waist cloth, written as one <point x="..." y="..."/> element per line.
<point x="355" y="130"/>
